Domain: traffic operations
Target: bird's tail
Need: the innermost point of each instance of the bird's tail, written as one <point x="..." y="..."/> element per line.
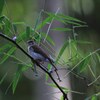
<point x="52" y="63"/>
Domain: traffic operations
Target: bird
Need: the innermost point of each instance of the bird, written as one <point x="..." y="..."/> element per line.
<point x="37" y="53"/>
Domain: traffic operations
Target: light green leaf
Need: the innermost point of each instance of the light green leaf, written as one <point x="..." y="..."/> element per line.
<point x="62" y="97"/>
<point x="6" y="46"/>
<point x="15" y="81"/>
<point x="3" y="78"/>
<point x="94" y="97"/>
<point x="62" y="50"/>
<point x="49" y="39"/>
<point x="19" y="23"/>
<point x="1" y="18"/>
<point x="69" y="18"/>
<point x="14" y="28"/>
<point x="63" y="88"/>
<point x="16" y="78"/>
<point x="7" y="26"/>
<point x="49" y="68"/>
<point x="41" y="25"/>
<point x="83" y="64"/>
<point x="5" y="57"/>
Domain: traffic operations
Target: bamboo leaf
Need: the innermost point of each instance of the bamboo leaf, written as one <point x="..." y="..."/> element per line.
<point x="63" y="88"/>
<point x="6" y="46"/>
<point x="15" y="81"/>
<point x="62" y="98"/>
<point x="7" y="26"/>
<point x="49" y="68"/>
<point x="49" y="39"/>
<point x="41" y="25"/>
<point x="16" y="78"/>
<point x="1" y="6"/>
<point x="98" y="56"/>
<point x="15" y="28"/>
<point x="82" y="42"/>
<point x="62" y="50"/>
<point x="62" y="29"/>
<point x="83" y="64"/>
<point x="94" y="97"/>
<point x="73" y="23"/>
<point x="1" y="81"/>
<point x="69" y="18"/>
<point x="5" y="57"/>
<point x="28" y="31"/>
<point x="1" y="18"/>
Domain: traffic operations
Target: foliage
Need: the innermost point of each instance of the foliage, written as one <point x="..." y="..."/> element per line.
<point x="76" y="59"/>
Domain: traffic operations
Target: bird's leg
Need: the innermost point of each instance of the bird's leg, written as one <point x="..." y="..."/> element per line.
<point x="34" y="70"/>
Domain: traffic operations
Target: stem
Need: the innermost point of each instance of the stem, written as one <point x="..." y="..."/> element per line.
<point x="36" y="62"/>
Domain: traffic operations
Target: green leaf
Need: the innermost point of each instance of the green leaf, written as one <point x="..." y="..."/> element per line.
<point x="1" y="18"/>
<point x="49" y="68"/>
<point x="94" y="97"/>
<point x="28" y="31"/>
<point x="41" y="25"/>
<point x="69" y="18"/>
<point x="3" y="78"/>
<point x="83" y="64"/>
<point x="49" y="39"/>
<point x="73" y="23"/>
<point x="7" y="26"/>
<point x="98" y="56"/>
<point x="62" y="50"/>
<point x="15" y="28"/>
<point x="19" y="23"/>
<point x="16" y="78"/>
<point x="62" y="97"/>
<point x="15" y="81"/>
<point x="5" y="57"/>
<point x="62" y="29"/>
<point x="63" y="88"/>
<point x="82" y="42"/>
<point x="6" y="46"/>
<point x="1" y="6"/>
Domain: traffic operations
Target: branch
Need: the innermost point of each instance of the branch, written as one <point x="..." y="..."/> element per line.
<point x="36" y="62"/>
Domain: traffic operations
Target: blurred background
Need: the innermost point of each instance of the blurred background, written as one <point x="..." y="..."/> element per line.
<point x="30" y="88"/>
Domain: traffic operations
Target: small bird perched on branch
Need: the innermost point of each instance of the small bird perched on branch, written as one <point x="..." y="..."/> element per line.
<point x="40" y="55"/>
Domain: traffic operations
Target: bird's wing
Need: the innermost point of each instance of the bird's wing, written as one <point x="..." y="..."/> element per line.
<point x="39" y="50"/>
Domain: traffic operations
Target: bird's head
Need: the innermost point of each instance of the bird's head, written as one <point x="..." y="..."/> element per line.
<point x="30" y="42"/>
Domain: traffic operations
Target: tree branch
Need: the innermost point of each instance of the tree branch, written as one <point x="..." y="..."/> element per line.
<point x="36" y="62"/>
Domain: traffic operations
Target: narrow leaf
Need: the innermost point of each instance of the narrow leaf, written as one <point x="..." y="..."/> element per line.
<point x="62" y="29"/>
<point x="2" y="48"/>
<point x="1" y="18"/>
<point x="15" y="81"/>
<point x="16" y="78"/>
<point x="62" y="50"/>
<point x="62" y="97"/>
<point x="3" y="78"/>
<point x="84" y="64"/>
<point x="28" y="31"/>
<point x="41" y="25"/>
<point x="49" y="39"/>
<point x="1" y="6"/>
<point x="94" y="97"/>
<point x="5" y="57"/>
